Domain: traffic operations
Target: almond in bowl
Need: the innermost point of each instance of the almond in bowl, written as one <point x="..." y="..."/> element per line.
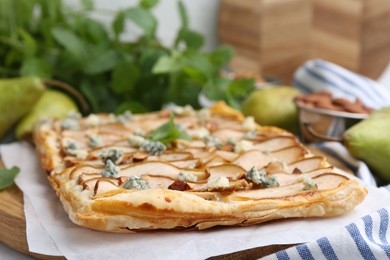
<point x="325" y="118"/>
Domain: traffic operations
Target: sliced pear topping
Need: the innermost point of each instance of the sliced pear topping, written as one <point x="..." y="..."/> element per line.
<point x="230" y="171"/>
<point x="308" y="164"/>
<point x="324" y="182"/>
<point x="160" y="169"/>
<point x="275" y="143"/>
<point x="224" y="134"/>
<point x="155" y="182"/>
<point x="228" y="156"/>
<point x="290" y="154"/>
<point x="104" y="185"/>
<point x="190" y="164"/>
<point x="76" y="172"/>
<point x="288" y="178"/>
<point x="253" y="158"/>
<point x="233" y="186"/>
<point x="87" y="176"/>
<point x="175" y="156"/>
<point x="214" y="161"/>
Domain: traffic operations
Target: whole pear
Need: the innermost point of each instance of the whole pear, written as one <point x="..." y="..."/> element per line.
<point x="52" y="104"/>
<point x="369" y="141"/>
<point x="17" y="97"/>
<point x="273" y="106"/>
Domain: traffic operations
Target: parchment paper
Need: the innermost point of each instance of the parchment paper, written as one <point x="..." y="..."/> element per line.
<point x="49" y="230"/>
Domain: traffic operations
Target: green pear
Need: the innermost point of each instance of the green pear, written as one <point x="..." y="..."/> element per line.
<point x="17" y="97"/>
<point x="52" y="104"/>
<point x="273" y="106"/>
<point x="369" y="140"/>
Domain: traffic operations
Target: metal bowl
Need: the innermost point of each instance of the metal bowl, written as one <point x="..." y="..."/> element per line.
<point x="318" y="124"/>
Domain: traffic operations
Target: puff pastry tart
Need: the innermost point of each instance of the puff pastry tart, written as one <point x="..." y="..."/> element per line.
<point x="181" y="168"/>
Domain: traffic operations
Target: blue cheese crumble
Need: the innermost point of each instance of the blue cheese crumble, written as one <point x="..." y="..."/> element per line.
<point x="249" y="123"/>
<point x="154" y="148"/>
<point x="125" y="117"/>
<point x="250" y="134"/>
<point x="212" y="141"/>
<point x="136" y="183"/>
<point x="92" y="120"/>
<point x="73" y="148"/>
<point x="308" y="183"/>
<point x="71" y="122"/>
<point x="187" y="177"/>
<point x="243" y="146"/>
<point x="136" y="140"/>
<point x="112" y="155"/>
<point x="94" y="140"/>
<point x="217" y="182"/>
<point x="110" y="170"/>
<point x="260" y="178"/>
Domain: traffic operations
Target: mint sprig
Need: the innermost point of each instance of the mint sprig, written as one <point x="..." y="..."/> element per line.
<point x="168" y="132"/>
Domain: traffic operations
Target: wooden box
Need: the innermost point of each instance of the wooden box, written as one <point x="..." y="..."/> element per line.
<point x="269" y="36"/>
<point x="353" y="33"/>
<point x="274" y="37"/>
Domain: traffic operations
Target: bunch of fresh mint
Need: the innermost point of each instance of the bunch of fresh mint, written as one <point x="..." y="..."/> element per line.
<point x="49" y="39"/>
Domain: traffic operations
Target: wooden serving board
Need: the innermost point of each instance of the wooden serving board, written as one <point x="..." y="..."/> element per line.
<point x="13" y="223"/>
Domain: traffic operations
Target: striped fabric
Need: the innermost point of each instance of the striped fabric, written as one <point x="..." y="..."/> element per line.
<point x="316" y="75"/>
<point x="368" y="238"/>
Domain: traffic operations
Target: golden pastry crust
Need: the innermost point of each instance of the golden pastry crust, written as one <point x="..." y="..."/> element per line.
<point x="232" y="172"/>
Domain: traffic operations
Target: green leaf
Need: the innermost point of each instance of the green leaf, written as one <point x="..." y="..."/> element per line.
<point x="95" y="31"/>
<point x="221" y="56"/>
<point x="192" y="39"/>
<point x="143" y="19"/>
<point x="36" y="67"/>
<point x="29" y="43"/>
<point x="216" y="89"/>
<point x="166" y="64"/>
<point x="102" y="63"/>
<point x="241" y="87"/>
<point x="167" y="133"/>
<point x="148" y="3"/>
<point x="70" y="42"/>
<point x="134" y="106"/>
<point x="87" y="4"/>
<point x="124" y="77"/>
<point x="7" y="176"/>
<point x="118" y="25"/>
<point x="183" y="15"/>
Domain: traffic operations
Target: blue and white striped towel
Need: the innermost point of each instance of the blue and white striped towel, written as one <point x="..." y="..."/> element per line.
<point x="367" y="238"/>
<point x="317" y="75"/>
